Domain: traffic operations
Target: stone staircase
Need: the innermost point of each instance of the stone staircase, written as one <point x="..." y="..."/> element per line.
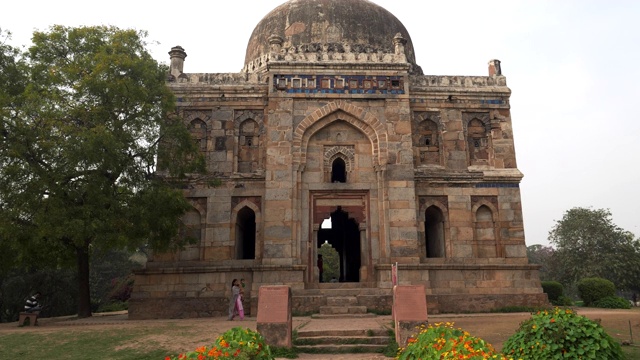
<point x="340" y="306"/>
<point x="341" y="300"/>
<point x="342" y="341"/>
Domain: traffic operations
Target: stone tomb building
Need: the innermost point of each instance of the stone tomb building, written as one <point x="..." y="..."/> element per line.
<point x="332" y="118"/>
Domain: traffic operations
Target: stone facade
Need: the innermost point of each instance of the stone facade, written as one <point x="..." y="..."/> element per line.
<point x="412" y="169"/>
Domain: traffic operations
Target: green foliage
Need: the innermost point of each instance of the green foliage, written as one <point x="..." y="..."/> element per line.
<point x="612" y="302"/>
<point x="381" y="312"/>
<point x="113" y="306"/>
<point x="391" y="349"/>
<point x="553" y="289"/>
<point x="284" y="352"/>
<point x="442" y="341"/>
<point x="330" y="262"/>
<point x="58" y="288"/>
<point x="594" y="289"/>
<point x="514" y="308"/>
<point x="550" y="268"/>
<point x="589" y="244"/>
<point x="561" y="334"/>
<point x="81" y="123"/>
<point x="563" y="301"/>
<point x="111" y="276"/>
<point x="237" y="343"/>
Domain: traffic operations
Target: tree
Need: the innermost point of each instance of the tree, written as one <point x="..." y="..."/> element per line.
<point x="544" y="256"/>
<point x="79" y="138"/>
<point x="331" y="262"/>
<point x="589" y="244"/>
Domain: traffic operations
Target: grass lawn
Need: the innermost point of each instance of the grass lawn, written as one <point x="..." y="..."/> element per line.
<point x="112" y="343"/>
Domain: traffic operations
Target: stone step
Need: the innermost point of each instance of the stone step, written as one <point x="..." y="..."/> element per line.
<point x="342" y="340"/>
<point x="342" y="316"/>
<point x="335" y="310"/>
<point x="339" y="333"/>
<point x="341" y="349"/>
<point x="341" y="292"/>
<point x="341" y="300"/>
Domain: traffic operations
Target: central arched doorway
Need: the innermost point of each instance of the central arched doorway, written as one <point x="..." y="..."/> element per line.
<point x="344" y="237"/>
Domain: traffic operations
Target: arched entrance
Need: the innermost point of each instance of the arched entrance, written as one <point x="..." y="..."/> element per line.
<point x="344" y="237"/>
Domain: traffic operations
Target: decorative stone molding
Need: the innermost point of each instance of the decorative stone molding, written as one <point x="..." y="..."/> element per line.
<point x="341" y="110"/>
<point x="329" y="53"/>
<point x="189" y="116"/>
<point x="217" y="78"/>
<point x="482" y="116"/>
<point x="431" y="81"/>
<point x="347" y="153"/>
<point x="241" y="115"/>
<point x="420" y="116"/>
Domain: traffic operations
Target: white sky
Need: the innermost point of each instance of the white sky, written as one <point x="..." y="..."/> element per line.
<point x="573" y="67"/>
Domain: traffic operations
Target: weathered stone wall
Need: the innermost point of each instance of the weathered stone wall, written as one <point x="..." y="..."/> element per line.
<point x="410" y="144"/>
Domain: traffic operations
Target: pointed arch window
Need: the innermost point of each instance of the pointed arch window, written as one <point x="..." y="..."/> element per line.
<point x="477" y="142"/>
<point x="485" y="233"/>
<point x="338" y="171"/>
<point x="198" y="130"/>
<point x="434" y="232"/>
<point x="246" y="234"/>
<point x="249" y="147"/>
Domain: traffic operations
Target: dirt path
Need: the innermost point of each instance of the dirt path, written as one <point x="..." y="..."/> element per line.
<point x="187" y="334"/>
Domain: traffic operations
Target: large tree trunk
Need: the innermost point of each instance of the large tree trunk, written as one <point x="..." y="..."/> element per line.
<point x="84" y="296"/>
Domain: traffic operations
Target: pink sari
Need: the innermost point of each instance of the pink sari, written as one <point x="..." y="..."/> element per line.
<point x="239" y="308"/>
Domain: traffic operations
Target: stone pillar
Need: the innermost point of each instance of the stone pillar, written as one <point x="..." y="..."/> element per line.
<point x="494" y="68"/>
<point x="399" y="42"/>
<point x="177" y="55"/>
<point x="314" y="273"/>
<point x="364" y="254"/>
<point x="275" y="43"/>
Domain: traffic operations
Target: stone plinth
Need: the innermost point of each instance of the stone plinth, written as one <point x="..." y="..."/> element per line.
<point x="409" y="310"/>
<point x="274" y="315"/>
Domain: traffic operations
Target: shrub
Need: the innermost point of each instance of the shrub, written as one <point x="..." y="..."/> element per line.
<point x="561" y="333"/>
<point x="594" y="289"/>
<point x="237" y="343"/>
<point x="564" y="301"/>
<point x="442" y="341"/>
<point x="553" y="289"/>
<point x="612" y="302"/>
<point x="114" y="306"/>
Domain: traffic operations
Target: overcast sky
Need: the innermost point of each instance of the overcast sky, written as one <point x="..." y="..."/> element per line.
<point x="573" y="68"/>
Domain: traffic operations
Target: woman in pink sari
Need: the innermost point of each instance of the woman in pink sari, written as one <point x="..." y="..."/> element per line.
<point x="235" y="305"/>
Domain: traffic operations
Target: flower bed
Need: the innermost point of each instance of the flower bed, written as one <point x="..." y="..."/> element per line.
<point x="237" y="343"/>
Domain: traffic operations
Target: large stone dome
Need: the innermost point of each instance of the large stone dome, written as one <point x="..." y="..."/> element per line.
<point x="359" y="24"/>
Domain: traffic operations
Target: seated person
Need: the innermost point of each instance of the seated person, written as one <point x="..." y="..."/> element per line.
<point x="32" y="304"/>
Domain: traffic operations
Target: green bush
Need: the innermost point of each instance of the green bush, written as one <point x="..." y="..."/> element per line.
<point x="114" y="306"/>
<point x="237" y="343"/>
<point x="594" y="289"/>
<point x="444" y="342"/>
<point x="561" y="333"/>
<point x="612" y="302"/>
<point x="564" y="301"/>
<point x="553" y="289"/>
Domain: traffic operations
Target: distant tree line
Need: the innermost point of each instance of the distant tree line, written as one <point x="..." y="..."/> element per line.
<point x="586" y="243"/>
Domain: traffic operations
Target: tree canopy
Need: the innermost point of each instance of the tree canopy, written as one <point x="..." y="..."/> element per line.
<point x="82" y="115"/>
<point x="589" y="244"/>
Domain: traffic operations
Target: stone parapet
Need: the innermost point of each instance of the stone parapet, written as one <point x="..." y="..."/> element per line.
<point x="469" y="83"/>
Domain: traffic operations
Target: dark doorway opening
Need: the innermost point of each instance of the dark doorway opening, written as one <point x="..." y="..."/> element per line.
<point x="246" y="234"/>
<point x="344" y="237"/>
